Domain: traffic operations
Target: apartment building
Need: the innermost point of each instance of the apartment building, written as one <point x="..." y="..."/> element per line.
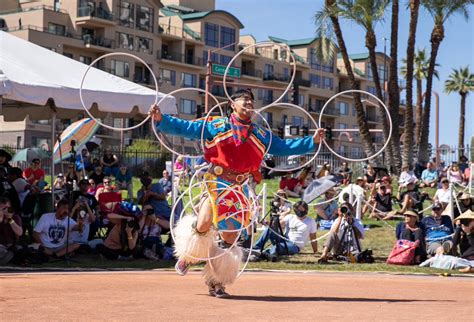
<point x="176" y="38"/>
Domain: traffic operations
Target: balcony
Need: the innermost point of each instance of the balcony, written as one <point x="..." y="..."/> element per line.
<point x="140" y="79"/>
<point x="180" y="58"/>
<point x="303" y="82"/>
<point x="330" y="110"/>
<point x="94" y="17"/>
<point x="371" y="118"/>
<point x="168" y="31"/>
<point x="267" y="100"/>
<point x="252" y="73"/>
<point x="276" y="77"/>
<point x="90" y="41"/>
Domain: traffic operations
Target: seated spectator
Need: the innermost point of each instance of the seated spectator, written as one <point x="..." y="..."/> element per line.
<point x="92" y="187"/>
<point x="455" y="175"/>
<point x="85" y="217"/>
<point x="106" y="186"/>
<point x="109" y="162"/>
<point x="407" y="176"/>
<point x="22" y="187"/>
<point x="467" y="174"/>
<point x="411" y="199"/>
<point x="464" y="237"/>
<point x="123" y="181"/>
<point x="59" y="182"/>
<point x="83" y="162"/>
<point x="387" y="182"/>
<point x="180" y="171"/>
<point x="51" y="231"/>
<point x="35" y="175"/>
<point x="410" y="230"/>
<point x="200" y="167"/>
<point x="83" y="194"/>
<point x="8" y="190"/>
<point x="443" y="194"/>
<point x="465" y="203"/>
<point x="292" y="186"/>
<point x="71" y="177"/>
<point x="344" y="235"/>
<point x="300" y="229"/>
<point x="5" y="158"/>
<point x="152" y="244"/>
<point x="98" y="176"/>
<point x="370" y="175"/>
<point x="10" y="230"/>
<point x="327" y="210"/>
<point x="429" y="176"/>
<point x="463" y="164"/>
<point x="438" y="231"/>
<point x="109" y="200"/>
<point x="381" y="202"/>
<point x="122" y="240"/>
<point x="345" y="172"/>
<point x="281" y="203"/>
<point x="153" y="194"/>
<point x="165" y="182"/>
<point x="324" y="171"/>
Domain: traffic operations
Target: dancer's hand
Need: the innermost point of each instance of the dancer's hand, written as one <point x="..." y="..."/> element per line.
<point x="155" y="113"/>
<point x="319" y="135"/>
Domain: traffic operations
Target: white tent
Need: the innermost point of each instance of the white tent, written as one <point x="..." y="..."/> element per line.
<point x="35" y="75"/>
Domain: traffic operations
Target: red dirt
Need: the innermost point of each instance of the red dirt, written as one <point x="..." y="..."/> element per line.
<point x="256" y="296"/>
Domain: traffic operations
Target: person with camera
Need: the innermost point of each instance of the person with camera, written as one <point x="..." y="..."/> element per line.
<point x="84" y="216"/>
<point x="344" y="236"/>
<point x="82" y="195"/>
<point x="151" y="233"/>
<point x="153" y="194"/>
<point x="299" y="230"/>
<point x="10" y="230"/>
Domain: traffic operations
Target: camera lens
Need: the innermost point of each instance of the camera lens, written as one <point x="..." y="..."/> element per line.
<point x="344" y="209"/>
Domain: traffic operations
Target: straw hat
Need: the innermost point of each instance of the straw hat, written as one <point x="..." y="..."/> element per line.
<point x="411" y="213"/>
<point x="465" y="196"/>
<point x="469" y="214"/>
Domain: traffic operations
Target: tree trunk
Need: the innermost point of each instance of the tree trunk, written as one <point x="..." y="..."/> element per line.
<point x="363" y="127"/>
<point x="371" y="43"/>
<point x="393" y="91"/>
<point x="462" y="116"/>
<point x="408" y="141"/>
<point x="436" y="38"/>
<point x="419" y="111"/>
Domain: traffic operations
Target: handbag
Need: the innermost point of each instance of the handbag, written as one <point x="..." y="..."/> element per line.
<point x="403" y="252"/>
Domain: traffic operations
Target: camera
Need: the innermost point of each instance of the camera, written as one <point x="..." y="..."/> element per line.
<point x="82" y="214"/>
<point x="149" y="211"/>
<point x="345" y="210"/>
<point x="133" y="224"/>
<point x="275" y="205"/>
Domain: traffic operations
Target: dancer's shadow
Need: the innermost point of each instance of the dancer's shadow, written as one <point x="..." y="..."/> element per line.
<point x="267" y="298"/>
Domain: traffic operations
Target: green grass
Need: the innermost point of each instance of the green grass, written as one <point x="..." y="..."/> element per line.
<point x="380" y="238"/>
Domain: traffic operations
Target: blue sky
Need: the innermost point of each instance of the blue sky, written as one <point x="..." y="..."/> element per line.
<point x="293" y="19"/>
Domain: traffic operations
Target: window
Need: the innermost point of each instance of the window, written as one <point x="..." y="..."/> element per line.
<point x="268" y="71"/>
<point x="297" y="121"/>
<point x="39" y="142"/>
<point x="145" y="45"/>
<point x="329" y="68"/>
<point x="315" y="80"/>
<point x="168" y="76"/>
<point x="127" y="14"/>
<point x="224" y="60"/>
<point x="68" y="55"/>
<point x="371" y="90"/>
<point x="211" y="34"/>
<point x="56" y="29"/>
<point x="85" y="60"/>
<point x="214" y="57"/>
<point x="144" y="19"/>
<point x="342" y="126"/>
<point x="356" y="152"/>
<point x="381" y="71"/>
<point x="120" y="68"/>
<point x="269" y="117"/>
<point x="227" y="38"/>
<point x="301" y="100"/>
<point x="327" y="83"/>
<point x="313" y="60"/>
<point x="343" y="108"/>
<point x="354" y="111"/>
<point x="188" y="80"/>
<point x="286" y="73"/>
<point x="188" y="106"/>
<point x="125" y="40"/>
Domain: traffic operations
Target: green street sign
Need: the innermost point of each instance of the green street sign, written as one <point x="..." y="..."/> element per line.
<point x="220" y="70"/>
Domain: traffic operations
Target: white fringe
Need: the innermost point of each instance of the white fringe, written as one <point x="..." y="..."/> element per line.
<point x="189" y="243"/>
<point x="224" y="269"/>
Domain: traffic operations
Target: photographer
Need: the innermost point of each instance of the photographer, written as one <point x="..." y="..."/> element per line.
<point x="155" y="195"/>
<point x="300" y="230"/>
<point x="344" y="234"/>
<point x="151" y="234"/>
<point x="122" y="239"/>
<point x="281" y="203"/>
<point x="84" y="216"/>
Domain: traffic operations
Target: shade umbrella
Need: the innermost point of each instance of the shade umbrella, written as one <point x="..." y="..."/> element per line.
<point x="29" y="154"/>
<point x="80" y="132"/>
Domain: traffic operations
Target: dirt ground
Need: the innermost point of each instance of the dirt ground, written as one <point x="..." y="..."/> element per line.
<point x="262" y="296"/>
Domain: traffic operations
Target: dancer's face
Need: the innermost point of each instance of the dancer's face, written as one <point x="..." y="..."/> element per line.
<point x="243" y="107"/>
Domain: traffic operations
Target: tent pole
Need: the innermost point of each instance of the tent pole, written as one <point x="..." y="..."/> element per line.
<point x="53" y="136"/>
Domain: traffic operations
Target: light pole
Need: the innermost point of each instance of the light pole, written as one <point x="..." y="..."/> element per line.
<point x="384" y="68"/>
<point x="436" y="125"/>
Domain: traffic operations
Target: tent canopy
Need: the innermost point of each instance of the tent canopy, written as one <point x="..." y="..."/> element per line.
<point x="37" y="76"/>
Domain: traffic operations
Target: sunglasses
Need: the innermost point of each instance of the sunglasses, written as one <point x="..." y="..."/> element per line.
<point x="436" y="209"/>
<point x="8" y="209"/>
<point x="106" y="182"/>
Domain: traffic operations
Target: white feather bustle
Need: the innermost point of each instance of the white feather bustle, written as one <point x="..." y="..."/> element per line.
<point x="189" y="243"/>
<point x="224" y="269"/>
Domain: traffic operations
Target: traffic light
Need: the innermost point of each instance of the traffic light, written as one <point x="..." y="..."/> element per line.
<point x="328" y="133"/>
<point x="305" y="131"/>
<point x="281" y="132"/>
<point x="294" y="94"/>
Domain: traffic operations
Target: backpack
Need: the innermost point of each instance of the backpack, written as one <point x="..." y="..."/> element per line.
<point x="403" y="252"/>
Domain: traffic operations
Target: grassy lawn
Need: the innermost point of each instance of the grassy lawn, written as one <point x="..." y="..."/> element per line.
<point x="380" y="237"/>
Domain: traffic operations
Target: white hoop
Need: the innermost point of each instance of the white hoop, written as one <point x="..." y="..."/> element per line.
<point x="285" y="46"/>
<point x="314" y="122"/>
<point x="154" y="127"/>
<point x="388" y="116"/>
<point x="113" y="128"/>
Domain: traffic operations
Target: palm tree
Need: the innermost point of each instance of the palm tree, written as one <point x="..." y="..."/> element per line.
<point x="367" y="13"/>
<point x="461" y="81"/>
<point x="441" y="11"/>
<point x="408" y="141"/>
<point x="328" y="27"/>
<point x="420" y="72"/>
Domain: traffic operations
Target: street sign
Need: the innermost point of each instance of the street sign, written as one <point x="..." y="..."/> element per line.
<point x="220" y="70"/>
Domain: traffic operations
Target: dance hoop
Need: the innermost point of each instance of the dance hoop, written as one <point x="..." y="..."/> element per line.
<point x="388" y="116"/>
<point x="154" y="127"/>
<point x="113" y="128"/>
<point x="284" y="46"/>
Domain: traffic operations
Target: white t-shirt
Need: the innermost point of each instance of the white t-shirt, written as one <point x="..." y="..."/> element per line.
<point x="442" y="195"/>
<point x="82" y="238"/>
<point x="20" y="184"/>
<point x="299" y="230"/>
<point x="53" y="231"/>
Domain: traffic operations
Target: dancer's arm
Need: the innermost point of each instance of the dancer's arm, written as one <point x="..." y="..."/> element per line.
<point x="295" y="146"/>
